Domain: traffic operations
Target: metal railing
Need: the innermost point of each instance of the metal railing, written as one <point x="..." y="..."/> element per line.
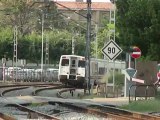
<point x="146" y="95"/>
<point x="30" y="75"/>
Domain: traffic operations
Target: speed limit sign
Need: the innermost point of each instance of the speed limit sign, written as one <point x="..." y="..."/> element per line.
<point x="111" y="50"/>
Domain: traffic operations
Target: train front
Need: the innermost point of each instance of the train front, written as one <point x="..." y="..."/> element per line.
<point x="72" y="70"/>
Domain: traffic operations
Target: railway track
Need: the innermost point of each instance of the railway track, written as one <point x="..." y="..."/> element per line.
<point x="34" y="93"/>
<point x="29" y="113"/>
<point x="106" y="112"/>
<point x="112" y="111"/>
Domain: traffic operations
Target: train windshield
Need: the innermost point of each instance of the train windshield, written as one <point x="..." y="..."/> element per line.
<point x="65" y="62"/>
<point x="81" y="63"/>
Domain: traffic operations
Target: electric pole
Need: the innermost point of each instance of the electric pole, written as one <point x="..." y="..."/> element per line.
<point x="73" y="45"/>
<point x="15" y="53"/>
<point x="88" y="38"/>
<point x="47" y="51"/>
<point x="113" y="35"/>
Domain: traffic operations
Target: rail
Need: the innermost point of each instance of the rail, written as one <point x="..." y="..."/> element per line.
<point x="31" y="113"/>
<point x="34" y="93"/>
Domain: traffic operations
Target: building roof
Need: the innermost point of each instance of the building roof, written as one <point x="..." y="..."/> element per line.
<point x="83" y="5"/>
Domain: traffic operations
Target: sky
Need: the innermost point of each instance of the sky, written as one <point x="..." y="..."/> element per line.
<point x="85" y="0"/>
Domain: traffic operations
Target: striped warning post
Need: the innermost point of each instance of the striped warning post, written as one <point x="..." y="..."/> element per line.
<point x="138" y="80"/>
<point x="158" y="75"/>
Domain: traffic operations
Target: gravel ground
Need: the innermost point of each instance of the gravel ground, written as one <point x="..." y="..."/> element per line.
<point x="53" y="93"/>
<point x="13" y="111"/>
<point x="21" y="92"/>
<point x="48" y="93"/>
<point x="65" y="113"/>
<point x="76" y="94"/>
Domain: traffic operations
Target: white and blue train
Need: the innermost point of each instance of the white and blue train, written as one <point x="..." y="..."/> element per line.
<point x="72" y="69"/>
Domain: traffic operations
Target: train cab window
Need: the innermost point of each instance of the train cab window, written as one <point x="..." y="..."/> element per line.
<point x="73" y="63"/>
<point x="65" y="62"/>
<point x="81" y="63"/>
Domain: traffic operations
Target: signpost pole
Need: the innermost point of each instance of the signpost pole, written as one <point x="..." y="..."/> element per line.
<point x="135" y="62"/>
<point x="114" y="77"/>
<point x="130" y="72"/>
<point x="129" y="61"/>
<point x="126" y="84"/>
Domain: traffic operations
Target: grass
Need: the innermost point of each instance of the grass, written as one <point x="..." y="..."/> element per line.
<point x="144" y="106"/>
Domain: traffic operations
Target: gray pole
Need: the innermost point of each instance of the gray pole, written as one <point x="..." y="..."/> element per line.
<point x="73" y="45"/>
<point x="112" y="20"/>
<point x="87" y="70"/>
<point x="96" y="30"/>
<point x="16" y="52"/>
<point x="42" y="47"/>
<point x="47" y="52"/>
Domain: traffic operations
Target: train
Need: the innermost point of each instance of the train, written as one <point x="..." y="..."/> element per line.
<point x="72" y="69"/>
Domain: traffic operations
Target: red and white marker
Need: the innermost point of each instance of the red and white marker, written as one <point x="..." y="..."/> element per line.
<point x="158" y="75"/>
<point x="138" y="80"/>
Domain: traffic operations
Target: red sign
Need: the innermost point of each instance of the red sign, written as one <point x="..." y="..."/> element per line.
<point x="158" y="75"/>
<point x="136" y="53"/>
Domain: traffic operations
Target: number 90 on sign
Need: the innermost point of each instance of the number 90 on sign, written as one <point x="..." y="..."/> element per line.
<point x="111" y="50"/>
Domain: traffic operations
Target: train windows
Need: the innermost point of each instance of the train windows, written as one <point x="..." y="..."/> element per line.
<point x="65" y="62"/>
<point x="101" y="70"/>
<point x="94" y="66"/>
<point x="73" y="63"/>
<point x="81" y="63"/>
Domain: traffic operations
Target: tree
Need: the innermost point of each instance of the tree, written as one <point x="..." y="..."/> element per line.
<point x="6" y="43"/>
<point x="102" y="37"/>
<point x="17" y="13"/>
<point x="137" y="22"/>
<point x="119" y="81"/>
<point x="33" y="46"/>
<point x="60" y="43"/>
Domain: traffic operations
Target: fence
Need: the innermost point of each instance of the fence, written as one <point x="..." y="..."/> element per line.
<point x="29" y="75"/>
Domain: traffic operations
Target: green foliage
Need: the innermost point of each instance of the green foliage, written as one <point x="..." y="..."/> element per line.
<point x="6" y="42"/>
<point x="33" y="44"/>
<point x="17" y="13"/>
<point x="29" y="23"/>
<point x="137" y="22"/>
<point x="102" y="38"/>
<point x="143" y="106"/>
<point x="119" y="79"/>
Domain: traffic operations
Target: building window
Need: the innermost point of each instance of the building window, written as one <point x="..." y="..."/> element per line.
<point x="102" y="71"/>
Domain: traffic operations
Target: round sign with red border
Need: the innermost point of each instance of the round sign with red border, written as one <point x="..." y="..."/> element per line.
<point x="136" y="53"/>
